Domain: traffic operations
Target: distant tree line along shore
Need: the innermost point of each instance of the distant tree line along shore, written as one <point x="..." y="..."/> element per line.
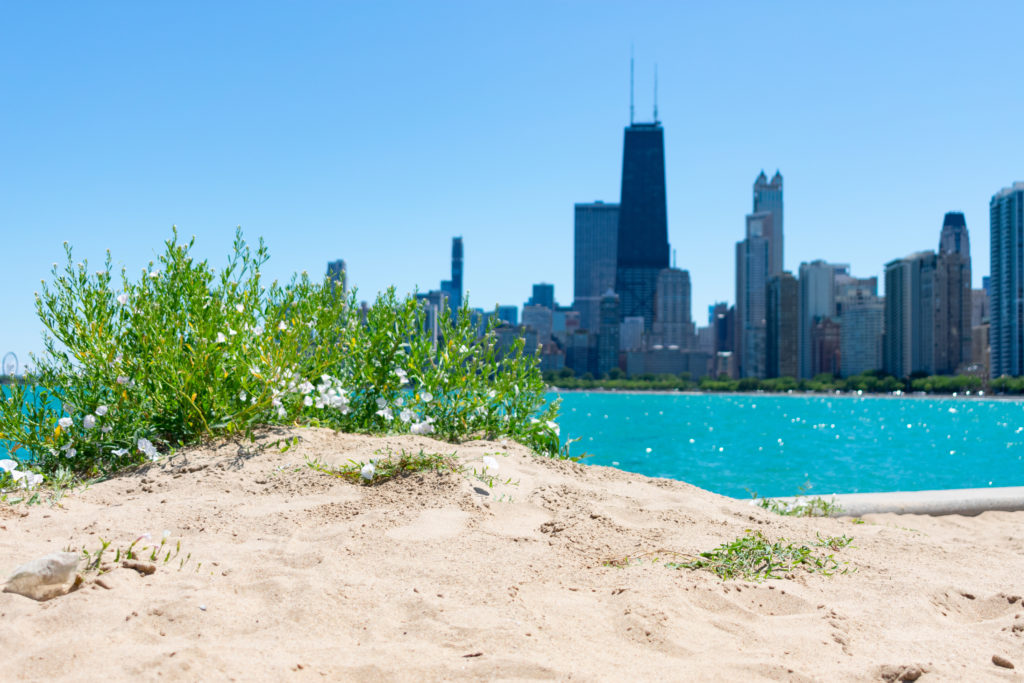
<point x="873" y="382"/>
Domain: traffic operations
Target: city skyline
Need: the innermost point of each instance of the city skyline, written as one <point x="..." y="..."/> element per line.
<point x="117" y="140"/>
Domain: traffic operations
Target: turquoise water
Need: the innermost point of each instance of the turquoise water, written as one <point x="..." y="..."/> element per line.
<point x="771" y="444"/>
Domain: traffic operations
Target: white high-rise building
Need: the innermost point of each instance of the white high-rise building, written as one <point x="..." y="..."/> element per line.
<point x="673" y="325"/>
<point x="817" y="301"/>
<point x="860" y="333"/>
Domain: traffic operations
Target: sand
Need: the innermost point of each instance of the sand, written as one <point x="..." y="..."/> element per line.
<point x="296" y="575"/>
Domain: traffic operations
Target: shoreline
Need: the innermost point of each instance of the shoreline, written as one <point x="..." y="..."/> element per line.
<point x="802" y="394"/>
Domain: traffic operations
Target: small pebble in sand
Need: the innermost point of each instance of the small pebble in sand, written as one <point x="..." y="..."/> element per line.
<point x="1002" y="661"/>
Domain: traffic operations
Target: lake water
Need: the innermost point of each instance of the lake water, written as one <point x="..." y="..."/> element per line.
<point x="773" y="444"/>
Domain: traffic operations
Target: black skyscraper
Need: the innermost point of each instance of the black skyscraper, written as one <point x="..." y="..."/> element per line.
<point x="643" y="221"/>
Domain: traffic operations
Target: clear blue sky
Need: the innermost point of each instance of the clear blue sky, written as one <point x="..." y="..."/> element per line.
<point x="374" y="132"/>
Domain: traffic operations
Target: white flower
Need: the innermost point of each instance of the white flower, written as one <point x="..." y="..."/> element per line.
<point x="406" y="415"/>
<point x="307" y="401"/>
<point x="281" y="412"/>
<point x="8" y="465"/>
<point x="65" y="422"/>
<point x="305" y="387"/>
<point x="281" y="326"/>
<point x="553" y="426"/>
<point x="490" y="464"/>
<point x="258" y="330"/>
<point x="422" y="427"/>
<point x="89" y="422"/>
<point x="155" y="274"/>
<point x="147" y="447"/>
<point x="492" y="393"/>
<point x="118" y="358"/>
<point x="29" y="480"/>
<point x="386" y="414"/>
<point x="221" y="338"/>
<point x="463" y="349"/>
<point x="106" y="429"/>
<point x="122" y="298"/>
<point x="121" y="379"/>
<point x="70" y="453"/>
<point x="381" y="402"/>
<point x="239" y="307"/>
<point x="101" y="411"/>
<point x="368" y="471"/>
<point x="120" y="452"/>
<point x="427" y="396"/>
<point x="231" y="332"/>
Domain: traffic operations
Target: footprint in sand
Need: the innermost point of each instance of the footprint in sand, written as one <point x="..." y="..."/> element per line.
<point x="969" y="607"/>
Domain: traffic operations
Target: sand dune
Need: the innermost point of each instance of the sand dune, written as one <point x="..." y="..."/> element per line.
<point x="304" y="576"/>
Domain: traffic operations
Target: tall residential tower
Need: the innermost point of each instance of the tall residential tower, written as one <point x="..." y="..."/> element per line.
<point x="1006" y="225"/>
<point x="768" y="198"/>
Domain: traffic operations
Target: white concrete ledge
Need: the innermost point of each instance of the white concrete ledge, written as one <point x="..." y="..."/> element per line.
<point x="948" y="502"/>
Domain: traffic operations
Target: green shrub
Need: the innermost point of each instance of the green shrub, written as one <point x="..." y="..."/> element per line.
<point x="183" y="353"/>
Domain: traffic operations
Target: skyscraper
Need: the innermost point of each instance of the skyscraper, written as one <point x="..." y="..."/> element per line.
<point x="457" y="286"/>
<point x="672" y="325"/>
<point x="768" y="197"/>
<point x="817" y="301"/>
<point x="596" y="243"/>
<point x="539" y="318"/>
<point x="336" y="274"/>
<point x="909" y="343"/>
<point x="543" y="295"/>
<point x="1006" y="332"/>
<point x="860" y="333"/>
<point x="781" y="327"/>
<point x="508" y="314"/>
<point x="953" y="299"/>
<point x="642" y="249"/>
<point x="453" y="288"/>
<point x="608" y="333"/>
<point x="752" y="258"/>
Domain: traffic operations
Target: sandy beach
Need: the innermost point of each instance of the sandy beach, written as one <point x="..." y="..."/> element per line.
<point x="297" y="575"/>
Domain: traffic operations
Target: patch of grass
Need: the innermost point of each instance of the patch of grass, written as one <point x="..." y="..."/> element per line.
<point x="754" y="557"/>
<point x="390" y="466"/>
<point x="163" y="553"/>
<point x="801" y="506"/>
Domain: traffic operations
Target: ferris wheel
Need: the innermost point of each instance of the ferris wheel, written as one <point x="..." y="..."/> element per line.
<point x="9" y="365"/>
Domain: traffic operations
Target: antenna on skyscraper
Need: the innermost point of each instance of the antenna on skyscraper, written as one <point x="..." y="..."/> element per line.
<point x="631" y="85"/>
<point x="655" y="93"/>
<point x="673" y="254"/>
